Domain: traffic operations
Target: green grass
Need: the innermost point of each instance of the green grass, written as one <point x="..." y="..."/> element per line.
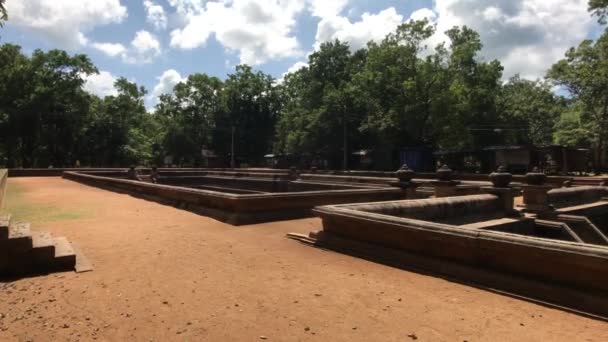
<point x="21" y="209"/>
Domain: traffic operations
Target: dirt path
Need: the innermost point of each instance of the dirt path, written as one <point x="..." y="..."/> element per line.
<point x="162" y="274"/>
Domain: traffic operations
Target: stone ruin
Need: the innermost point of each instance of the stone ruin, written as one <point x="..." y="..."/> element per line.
<point x="24" y="251"/>
<point x="236" y="196"/>
<point x="553" y="247"/>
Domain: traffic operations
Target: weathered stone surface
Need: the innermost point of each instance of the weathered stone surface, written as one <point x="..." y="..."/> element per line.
<point x="564" y="253"/>
<point x="65" y="257"/>
<point x="567" y="197"/>
<point x="535" y="199"/>
<point x="501" y="178"/>
<point x="245" y="208"/>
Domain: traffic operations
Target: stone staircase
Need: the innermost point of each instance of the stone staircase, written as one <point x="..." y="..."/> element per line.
<point x="23" y="251"/>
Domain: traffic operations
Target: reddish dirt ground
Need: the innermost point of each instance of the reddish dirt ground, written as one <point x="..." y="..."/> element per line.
<point x="163" y="274"/>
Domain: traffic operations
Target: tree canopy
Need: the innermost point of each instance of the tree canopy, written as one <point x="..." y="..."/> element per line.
<point x="391" y="94"/>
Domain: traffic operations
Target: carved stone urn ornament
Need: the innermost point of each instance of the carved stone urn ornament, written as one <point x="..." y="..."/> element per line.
<point x="444" y="173"/>
<point x="501" y="178"/>
<point x="405" y="174"/>
<point x="535" y="177"/>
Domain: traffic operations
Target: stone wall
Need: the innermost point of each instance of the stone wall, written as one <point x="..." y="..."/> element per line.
<point x="567" y="197"/>
<point x="239" y="209"/>
<point x="575" y="266"/>
<point x="437" y="209"/>
<point x="57" y="172"/>
<point x="53" y="172"/>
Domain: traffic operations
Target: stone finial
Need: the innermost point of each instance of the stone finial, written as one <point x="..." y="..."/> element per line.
<point x="444" y="173"/>
<point x="405" y="174"/>
<point x="501" y="177"/>
<point x="535" y="177"/>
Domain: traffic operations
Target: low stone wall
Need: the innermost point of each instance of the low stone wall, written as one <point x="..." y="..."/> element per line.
<point x="382" y="181"/>
<point x="239" y="209"/>
<point x="567" y="197"/>
<point x="253" y="184"/>
<point x="555" y="181"/>
<point x="52" y="172"/>
<point x="437" y="209"/>
<point x="576" y="266"/>
<point x="3" y="179"/>
<point x="230" y="173"/>
<point x="57" y="172"/>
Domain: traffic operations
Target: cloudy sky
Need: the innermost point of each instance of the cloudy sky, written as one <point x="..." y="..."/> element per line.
<point x="157" y="43"/>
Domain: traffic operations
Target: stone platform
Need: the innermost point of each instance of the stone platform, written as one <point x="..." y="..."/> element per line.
<point x="294" y="199"/>
<point x="472" y="233"/>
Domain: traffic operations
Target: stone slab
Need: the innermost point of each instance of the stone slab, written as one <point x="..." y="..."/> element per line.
<point x="82" y="262"/>
<point x="65" y="257"/>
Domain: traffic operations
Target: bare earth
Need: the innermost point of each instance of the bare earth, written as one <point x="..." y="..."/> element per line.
<point x="164" y="274"/>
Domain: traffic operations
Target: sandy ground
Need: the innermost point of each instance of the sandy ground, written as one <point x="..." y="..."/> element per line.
<point x="163" y="274"/>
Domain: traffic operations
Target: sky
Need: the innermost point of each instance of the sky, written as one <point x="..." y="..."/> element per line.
<point x="158" y="43"/>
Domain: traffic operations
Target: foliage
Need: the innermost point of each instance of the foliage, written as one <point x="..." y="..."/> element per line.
<point x="188" y="117"/>
<point x="251" y="106"/>
<point x="584" y="73"/>
<point x="43" y="105"/>
<point x="572" y="129"/>
<point x="529" y="111"/>
<point x="599" y="8"/>
<point x="392" y="94"/>
<point x="3" y="13"/>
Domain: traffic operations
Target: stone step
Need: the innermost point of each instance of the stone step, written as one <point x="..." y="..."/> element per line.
<point x="19" y="238"/>
<point x="43" y="248"/>
<point x="5" y="221"/>
<point x="65" y="257"/>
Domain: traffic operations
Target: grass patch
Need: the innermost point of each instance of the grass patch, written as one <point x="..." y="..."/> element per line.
<point x="21" y="209"/>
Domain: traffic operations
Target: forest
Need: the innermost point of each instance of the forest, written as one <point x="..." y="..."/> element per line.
<point x="389" y="95"/>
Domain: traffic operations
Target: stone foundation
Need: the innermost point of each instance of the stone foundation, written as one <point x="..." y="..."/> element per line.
<point x="239" y="209"/>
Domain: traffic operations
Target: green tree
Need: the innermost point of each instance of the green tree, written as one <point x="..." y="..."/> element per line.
<point x="573" y="128"/>
<point x="474" y="86"/>
<point x="400" y="90"/>
<point x="320" y="101"/>
<point x="529" y="110"/>
<point x="584" y="73"/>
<point x="3" y="13"/>
<point x="599" y="8"/>
<point x="121" y="131"/>
<point x="189" y="116"/>
<point x="43" y="105"/>
<point x="250" y="109"/>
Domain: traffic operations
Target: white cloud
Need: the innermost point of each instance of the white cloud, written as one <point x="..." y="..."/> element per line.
<point x="326" y="8"/>
<point x="527" y="36"/>
<point x="64" y="22"/>
<point x="101" y="84"/>
<point x="110" y="49"/>
<point x="257" y="30"/>
<point x="166" y="82"/>
<point x="423" y="13"/>
<point x="143" y="48"/>
<point x="295" y="67"/>
<point x="371" y="27"/>
<point x="145" y="43"/>
<point x="155" y="14"/>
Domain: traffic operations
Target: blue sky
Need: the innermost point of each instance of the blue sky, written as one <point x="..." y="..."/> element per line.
<point x="157" y="43"/>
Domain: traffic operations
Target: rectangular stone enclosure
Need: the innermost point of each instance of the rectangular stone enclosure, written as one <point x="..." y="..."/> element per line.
<point x="473" y="238"/>
<point x="237" y="198"/>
